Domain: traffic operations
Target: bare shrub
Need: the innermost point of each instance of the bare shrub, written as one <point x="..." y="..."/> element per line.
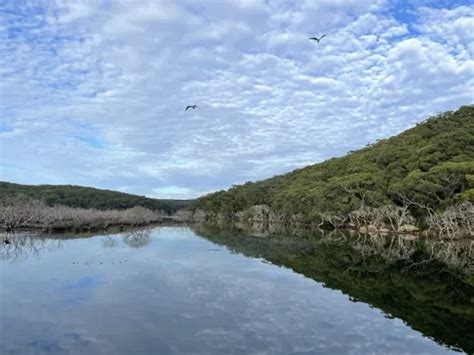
<point x="35" y="214"/>
<point x="365" y="216"/>
<point x="390" y="216"/>
<point x="20" y="213"/>
<point x="336" y="221"/>
<point x="454" y="223"/>
<point x="139" y="215"/>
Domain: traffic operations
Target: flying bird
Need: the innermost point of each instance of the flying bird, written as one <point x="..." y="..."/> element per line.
<point x="317" y="39"/>
<point x="191" y="106"/>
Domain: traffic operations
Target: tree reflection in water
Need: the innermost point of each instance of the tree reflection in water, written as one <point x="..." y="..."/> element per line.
<point x="427" y="284"/>
<point x="137" y="238"/>
<point x="22" y="246"/>
<point x="109" y="242"/>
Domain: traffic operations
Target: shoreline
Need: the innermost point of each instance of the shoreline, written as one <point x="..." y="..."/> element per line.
<point x="408" y="249"/>
<point x="262" y="216"/>
<point x="256" y="228"/>
<point x="119" y="227"/>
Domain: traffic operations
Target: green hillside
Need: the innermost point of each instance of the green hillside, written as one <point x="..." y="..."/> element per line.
<point x="430" y="165"/>
<point x="87" y="197"/>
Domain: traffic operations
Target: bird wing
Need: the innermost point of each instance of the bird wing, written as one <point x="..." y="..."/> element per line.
<point x="313" y="38"/>
<point x="187" y="108"/>
<point x="320" y="38"/>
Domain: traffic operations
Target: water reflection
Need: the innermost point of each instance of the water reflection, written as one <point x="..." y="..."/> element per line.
<point x="22" y="246"/>
<point x="137" y="238"/>
<point x="109" y="242"/>
<point x="429" y="285"/>
<point x="171" y="290"/>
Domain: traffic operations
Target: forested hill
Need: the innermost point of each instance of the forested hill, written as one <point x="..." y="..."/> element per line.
<point x="430" y="165"/>
<point x="87" y="197"/>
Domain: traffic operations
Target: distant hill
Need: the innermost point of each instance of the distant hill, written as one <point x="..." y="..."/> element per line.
<point x="88" y="197"/>
<point x="430" y="165"/>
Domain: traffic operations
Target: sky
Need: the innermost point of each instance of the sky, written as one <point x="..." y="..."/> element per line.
<point x="93" y="92"/>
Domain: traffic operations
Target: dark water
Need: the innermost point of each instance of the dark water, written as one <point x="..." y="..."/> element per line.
<point x="172" y="290"/>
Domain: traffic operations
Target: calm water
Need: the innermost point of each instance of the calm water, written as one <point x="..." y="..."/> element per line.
<point x="171" y="290"/>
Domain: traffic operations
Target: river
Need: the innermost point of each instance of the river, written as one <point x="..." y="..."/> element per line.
<point x="180" y="290"/>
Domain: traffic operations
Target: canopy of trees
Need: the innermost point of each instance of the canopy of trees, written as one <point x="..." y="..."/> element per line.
<point x="87" y="197"/>
<point x="430" y="165"/>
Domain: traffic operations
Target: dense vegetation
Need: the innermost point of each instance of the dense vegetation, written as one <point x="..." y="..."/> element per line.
<point x="426" y="169"/>
<point x="87" y="197"/>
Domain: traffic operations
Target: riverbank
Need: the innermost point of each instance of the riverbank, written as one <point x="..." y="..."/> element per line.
<point x="454" y="223"/>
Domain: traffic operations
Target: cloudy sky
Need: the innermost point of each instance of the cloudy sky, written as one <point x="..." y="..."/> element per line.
<point x="93" y="92"/>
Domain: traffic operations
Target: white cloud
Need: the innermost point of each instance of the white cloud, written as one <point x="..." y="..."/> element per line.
<point x="454" y="27"/>
<point x="94" y="92"/>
